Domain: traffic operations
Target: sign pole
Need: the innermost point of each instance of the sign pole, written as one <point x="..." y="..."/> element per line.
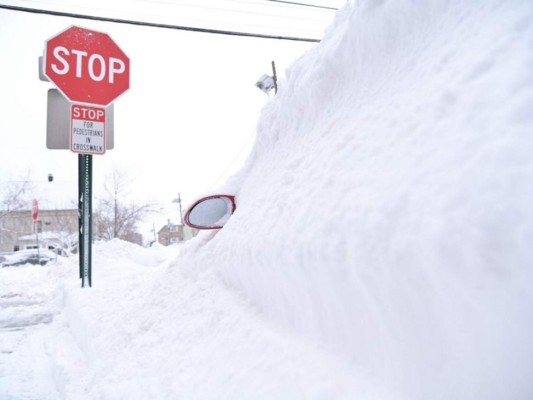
<point x="34" y="217"/>
<point x="87" y="161"/>
<point x="80" y="213"/>
<point x="37" y="239"/>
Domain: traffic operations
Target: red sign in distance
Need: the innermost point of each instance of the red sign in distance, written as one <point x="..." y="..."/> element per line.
<point x="86" y="66"/>
<point x="34" y="210"/>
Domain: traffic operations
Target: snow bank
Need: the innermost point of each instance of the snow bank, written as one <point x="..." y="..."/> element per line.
<point x="146" y="330"/>
<point x="386" y="209"/>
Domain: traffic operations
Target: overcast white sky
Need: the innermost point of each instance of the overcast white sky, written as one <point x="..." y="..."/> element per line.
<point x="188" y="121"/>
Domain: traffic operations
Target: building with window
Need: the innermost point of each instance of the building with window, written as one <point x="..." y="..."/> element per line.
<point x="172" y="233"/>
<point x="54" y="229"/>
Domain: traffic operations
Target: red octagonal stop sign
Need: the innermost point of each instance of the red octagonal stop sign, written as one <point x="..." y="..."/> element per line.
<point x="86" y="66"/>
<point x="34" y="210"/>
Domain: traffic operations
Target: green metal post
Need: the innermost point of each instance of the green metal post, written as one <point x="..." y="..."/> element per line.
<point x="81" y="179"/>
<point x="87" y="219"/>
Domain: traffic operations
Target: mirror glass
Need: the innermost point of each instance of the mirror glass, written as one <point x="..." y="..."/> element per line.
<point x="212" y="212"/>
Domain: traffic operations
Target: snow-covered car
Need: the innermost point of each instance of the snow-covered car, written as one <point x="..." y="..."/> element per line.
<point x="42" y="257"/>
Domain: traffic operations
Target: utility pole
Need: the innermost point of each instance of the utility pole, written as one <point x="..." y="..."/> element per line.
<point x="274" y="77"/>
<point x="178" y="200"/>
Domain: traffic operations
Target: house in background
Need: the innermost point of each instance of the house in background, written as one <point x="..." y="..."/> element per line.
<point x="172" y="233"/>
<point x="57" y="221"/>
<point x="54" y="229"/>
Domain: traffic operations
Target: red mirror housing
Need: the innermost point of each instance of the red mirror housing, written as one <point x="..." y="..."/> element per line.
<point x="210" y="212"/>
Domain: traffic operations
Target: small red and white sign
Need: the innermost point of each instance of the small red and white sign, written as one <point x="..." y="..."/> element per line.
<point x="34" y="210"/>
<point x="87" y="129"/>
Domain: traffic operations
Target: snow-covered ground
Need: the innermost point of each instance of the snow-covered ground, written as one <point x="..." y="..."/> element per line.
<point x="381" y="247"/>
<point x="146" y="330"/>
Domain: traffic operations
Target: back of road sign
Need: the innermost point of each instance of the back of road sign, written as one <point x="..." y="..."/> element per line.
<point x="58" y="123"/>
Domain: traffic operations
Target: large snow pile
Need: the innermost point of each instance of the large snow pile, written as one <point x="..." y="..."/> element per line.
<point x="381" y="247"/>
<point x="386" y="211"/>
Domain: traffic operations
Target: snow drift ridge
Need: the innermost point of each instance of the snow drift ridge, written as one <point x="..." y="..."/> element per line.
<point x="385" y="209"/>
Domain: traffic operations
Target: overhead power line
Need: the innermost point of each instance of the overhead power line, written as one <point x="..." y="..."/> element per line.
<point x="155" y="25"/>
<point x="285" y="5"/>
<point x="303" y="4"/>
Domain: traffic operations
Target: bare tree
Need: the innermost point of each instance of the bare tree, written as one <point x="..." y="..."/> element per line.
<point x="65" y="230"/>
<point x="116" y="215"/>
<point x="13" y="197"/>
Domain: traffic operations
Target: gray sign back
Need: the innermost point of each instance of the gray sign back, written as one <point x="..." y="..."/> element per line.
<point x="58" y="123"/>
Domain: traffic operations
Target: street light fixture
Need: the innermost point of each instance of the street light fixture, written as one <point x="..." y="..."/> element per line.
<point x="266" y="83"/>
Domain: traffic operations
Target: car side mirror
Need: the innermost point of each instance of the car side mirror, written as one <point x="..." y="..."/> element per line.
<point x="210" y="212"/>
